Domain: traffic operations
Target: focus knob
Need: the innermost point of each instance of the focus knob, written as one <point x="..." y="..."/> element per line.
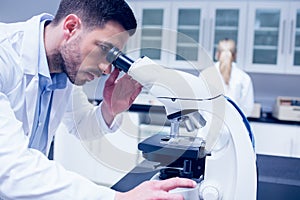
<point x="210" y="193"/>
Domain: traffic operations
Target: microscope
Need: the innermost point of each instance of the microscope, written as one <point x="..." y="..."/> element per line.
<point x="217" y="147"/>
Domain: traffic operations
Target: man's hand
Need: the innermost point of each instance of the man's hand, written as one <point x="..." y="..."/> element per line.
<point x="118" y="95"/>
<point x="156" y="190"/>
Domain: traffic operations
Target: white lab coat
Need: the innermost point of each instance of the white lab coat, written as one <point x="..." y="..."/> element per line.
<point x="239" y="89"/>
<point x="26" y="173"/>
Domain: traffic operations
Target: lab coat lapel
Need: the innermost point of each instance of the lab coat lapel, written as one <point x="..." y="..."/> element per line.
<point x="56" y="106"/>
<point x="29" y="62"/>
<point x="59" y="105"/>
<point x="31" y="100"/>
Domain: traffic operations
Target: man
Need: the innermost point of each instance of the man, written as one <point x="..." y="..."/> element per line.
<point x="43" y="63"/>
<point x="237" y="84"/>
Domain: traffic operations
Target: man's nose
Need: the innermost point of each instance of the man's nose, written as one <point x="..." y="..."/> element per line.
<point x="106" y="68"/>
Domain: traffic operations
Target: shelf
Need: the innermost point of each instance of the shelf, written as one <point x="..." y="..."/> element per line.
<point x="151" y="38"/>
<point x="264" y="29"/>
<point x="188" y="27"/>
<point x="264" y="47"/>
<point x="192" y="45"/>
<point x="152" y="26"/>
<point x="226" y="28"/>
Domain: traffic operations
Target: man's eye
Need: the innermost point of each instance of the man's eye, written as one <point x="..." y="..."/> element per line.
<point x="104" y="48"/>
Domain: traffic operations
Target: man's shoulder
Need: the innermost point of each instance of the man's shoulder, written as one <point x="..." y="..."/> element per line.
<point x="11" y="71"/>
<point x="10" y="28"/>
<point x="10" y="45"/>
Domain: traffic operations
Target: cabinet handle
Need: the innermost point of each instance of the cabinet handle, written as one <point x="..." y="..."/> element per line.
<point x="283" y="36"/>
<point x="203" y="34"/>
<point x="210" y="34"/>
<point x="291" y="36"/>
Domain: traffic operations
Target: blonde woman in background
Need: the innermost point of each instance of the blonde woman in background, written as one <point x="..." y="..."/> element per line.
<point x="237" y="83"/>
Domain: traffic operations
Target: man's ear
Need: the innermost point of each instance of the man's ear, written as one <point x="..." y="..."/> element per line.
<point x="72" y="24"/>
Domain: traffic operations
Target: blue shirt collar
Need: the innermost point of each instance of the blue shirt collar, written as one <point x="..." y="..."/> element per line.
<point x="57" y="81"/>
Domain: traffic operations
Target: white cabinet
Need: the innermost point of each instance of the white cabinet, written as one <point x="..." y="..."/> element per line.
<point x="227" y="20"/>
<point x="273" y="40"/>
<point x="179" y="34"/>
<point x="276" y="139"/>
<point x="151" y="37"/>
<point x="293" y="46"/>
<point x="267" y="23"/>
<point x="184" y="34"/>
<point x="205" y="24"/>
<point x="187" y="36"/>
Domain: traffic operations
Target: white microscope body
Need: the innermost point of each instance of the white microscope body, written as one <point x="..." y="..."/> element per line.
<point x="230" y="164"/>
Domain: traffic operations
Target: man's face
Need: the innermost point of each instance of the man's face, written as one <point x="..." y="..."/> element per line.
<point x="84" y="55"/>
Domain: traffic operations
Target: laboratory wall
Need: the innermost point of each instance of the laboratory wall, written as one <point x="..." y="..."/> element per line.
<point x="16" y="10"/>
<point x="267" y="87"/>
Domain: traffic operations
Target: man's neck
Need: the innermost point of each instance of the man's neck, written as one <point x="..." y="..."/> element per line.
<point x="52" y="41"/>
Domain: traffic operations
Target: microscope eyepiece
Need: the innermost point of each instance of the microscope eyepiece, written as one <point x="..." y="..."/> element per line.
<point x="113" y="54"/>
<point x="118" y="59"/>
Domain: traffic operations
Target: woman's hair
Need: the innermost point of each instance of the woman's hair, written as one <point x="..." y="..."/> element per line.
<point x="96" y="13"/>
<point x="226" y="55"/>
<point x="227" y="44"/>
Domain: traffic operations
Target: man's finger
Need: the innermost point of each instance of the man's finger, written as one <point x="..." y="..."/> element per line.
<point x="173" y="183"/>
<point x="112" y="77"/>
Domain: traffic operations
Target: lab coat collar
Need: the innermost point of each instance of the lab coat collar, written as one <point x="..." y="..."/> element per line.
<point x="31" y="39"/>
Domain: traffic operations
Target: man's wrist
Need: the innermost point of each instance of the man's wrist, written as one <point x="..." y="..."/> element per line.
<point x="107" y="114"/>
<point x="119" y="196"/>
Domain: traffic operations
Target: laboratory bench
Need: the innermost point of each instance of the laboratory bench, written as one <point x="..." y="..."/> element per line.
<point x="265" y="117"/>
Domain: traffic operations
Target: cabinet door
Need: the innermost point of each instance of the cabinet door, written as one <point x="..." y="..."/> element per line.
<point x="227" y="21"/>
<point x="296" y="144"/>
<point x="266" y="46"/>
<point x="293" y="51"/>
<point x="186" y="34"/>
<point x="276" y="139"/>
<point x="150" y="38"/>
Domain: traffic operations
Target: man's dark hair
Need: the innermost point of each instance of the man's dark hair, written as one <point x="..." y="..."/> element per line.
<point x="95" y="13"/>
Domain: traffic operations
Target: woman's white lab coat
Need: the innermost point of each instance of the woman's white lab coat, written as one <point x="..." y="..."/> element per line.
<point x="239" y="89"/>
<point x="26" y="173"/>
